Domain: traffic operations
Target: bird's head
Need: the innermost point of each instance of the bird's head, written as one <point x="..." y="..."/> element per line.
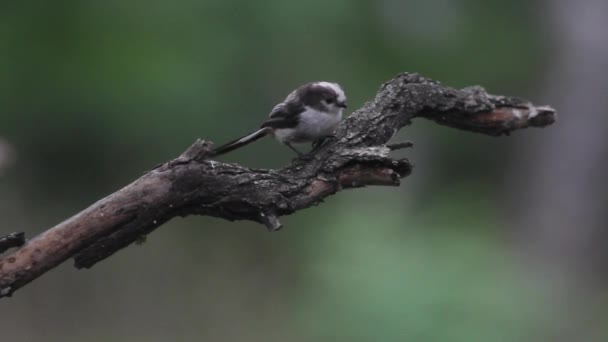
<point x="324" y="96"/>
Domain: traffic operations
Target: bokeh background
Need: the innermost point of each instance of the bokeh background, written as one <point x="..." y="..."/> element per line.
<point x="490" y="239"/>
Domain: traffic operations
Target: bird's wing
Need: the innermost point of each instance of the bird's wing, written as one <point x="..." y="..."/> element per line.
<point x="285" y="114"/>
<point x="282" y="108"/>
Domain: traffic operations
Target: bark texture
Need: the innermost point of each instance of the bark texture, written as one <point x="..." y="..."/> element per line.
<point x="192" y="184"/>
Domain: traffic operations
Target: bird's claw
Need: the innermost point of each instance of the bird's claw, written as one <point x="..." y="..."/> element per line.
<point x="317" y="144"/>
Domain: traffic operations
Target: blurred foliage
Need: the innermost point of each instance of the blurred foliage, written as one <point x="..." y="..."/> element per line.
<point x="438" y="275"/>
<point x="95" y="92"/>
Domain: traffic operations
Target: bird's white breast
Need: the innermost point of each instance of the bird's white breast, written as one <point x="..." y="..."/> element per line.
<point x="313" y="125"/>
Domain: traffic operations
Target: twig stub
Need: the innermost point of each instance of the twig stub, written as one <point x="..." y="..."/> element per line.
<point x="11" y="240"/>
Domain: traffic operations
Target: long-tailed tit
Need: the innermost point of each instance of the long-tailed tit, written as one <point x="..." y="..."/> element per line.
<point x="309" y="113"/>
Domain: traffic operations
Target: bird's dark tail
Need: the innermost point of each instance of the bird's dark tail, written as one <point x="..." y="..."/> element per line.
<point x="242" y="141"/>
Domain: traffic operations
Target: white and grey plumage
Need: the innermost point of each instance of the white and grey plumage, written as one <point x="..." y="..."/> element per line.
<point x="309" y="113"/>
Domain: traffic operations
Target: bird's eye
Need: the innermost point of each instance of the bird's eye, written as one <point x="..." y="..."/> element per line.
<point x="330" y="100"/>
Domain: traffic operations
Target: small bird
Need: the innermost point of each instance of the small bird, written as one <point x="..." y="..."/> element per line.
<point x="308" y="114"/>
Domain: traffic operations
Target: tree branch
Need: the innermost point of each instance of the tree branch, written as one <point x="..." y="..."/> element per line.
<point x="191" y="184"/>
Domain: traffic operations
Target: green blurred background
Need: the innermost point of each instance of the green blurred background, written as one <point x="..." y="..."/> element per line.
<point x="490" y="239"/>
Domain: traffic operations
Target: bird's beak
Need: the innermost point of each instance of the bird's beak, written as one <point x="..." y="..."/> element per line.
<point x="342" y="104"/>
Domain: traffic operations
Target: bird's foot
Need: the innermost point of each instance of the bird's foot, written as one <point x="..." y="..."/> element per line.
<point x="317" y="144"/>
<point x="305" y="157"/>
